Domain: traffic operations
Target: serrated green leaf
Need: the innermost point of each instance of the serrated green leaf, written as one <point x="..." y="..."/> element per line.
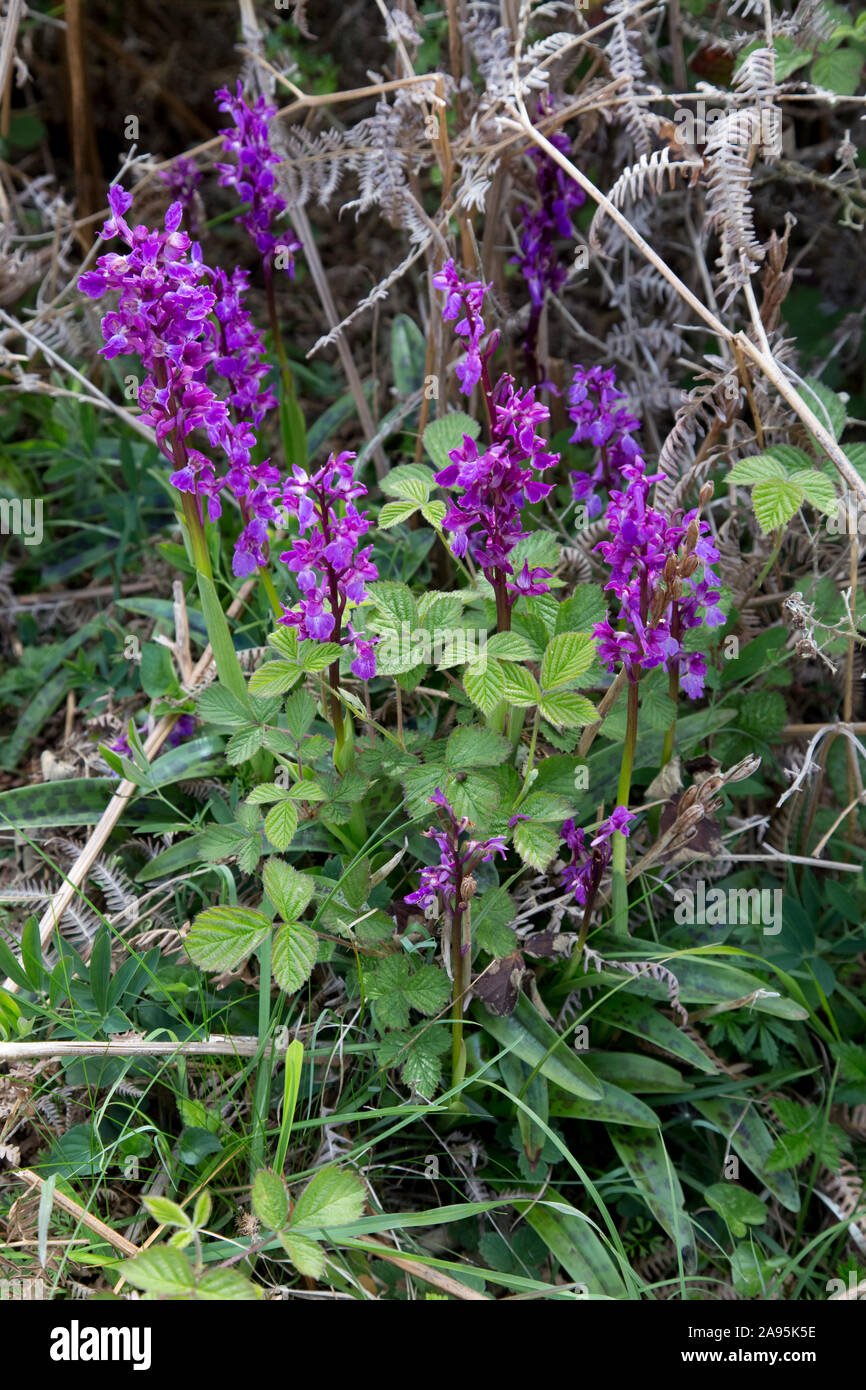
<point x="474" y="746"/>
<point x="818" y="489"/>
<point x="434" y="512"/>
<point x="394" y="512"/>
<point x="242" y="745"/>
<point x="281" y="823"/>
<point x="221" y="937"/>
<point x="536" y="843"/>
<point x="161" y="1270"/>
<point x="270" y="1199"/>
<point x="333" y="1197"/>
<point x="839" y="72"/>
<point x="167" y="1213"/>
<point x="219" y="706"/>
<point x="756" y="469"/>
<point x="395" y="602"/>
<point x="316" y="656"/>
<point x="266" y="793"/>
<point x="227" y="1286"/>
<point x="289" y="891"/>
<point x="521" y="687"/>
<point x="427" y="989"/>
<point x="274" y="678"/>
<point x="484" y="683"/>
<point x="402" y="480"/>
<point x="300" y="713"/>
<point x="446" y="434"/>
<point x="566" y="658"/>
<point x="775" y="501"/>
<point x="509" y="646"/>
<point x="305" y="1254"/>
<point x="568" y="710"/>
<point x="293" y="955"/>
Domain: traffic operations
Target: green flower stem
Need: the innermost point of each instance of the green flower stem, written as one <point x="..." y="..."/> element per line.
<point x="530" y="761"/>
<point x="458" y="961"/>
<point x="292" y="426"/>
<point x="516" y="721"/>
<point x="670" y="733"/>
<point x="219" y="634"/>
<point x="268" y="586"/>
<point x="620" y="887"/>
<point x="263" y="1074"/>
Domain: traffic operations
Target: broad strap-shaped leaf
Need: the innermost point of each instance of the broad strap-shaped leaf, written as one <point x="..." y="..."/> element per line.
<point x="655" y="1177"/>
<point x="533" y="1040"/>
<point x="572" y="1241"/>
<point x="744" y="1129"/>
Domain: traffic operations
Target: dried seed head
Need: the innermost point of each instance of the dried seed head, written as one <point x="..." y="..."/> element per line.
<point x="468" y="888"/>
<point x="741" y="770"/>
<point x="687" y="799"/>
<point x="688" y="566"/>
<point x="706" y="494"/>
<point x="692" y="534"/>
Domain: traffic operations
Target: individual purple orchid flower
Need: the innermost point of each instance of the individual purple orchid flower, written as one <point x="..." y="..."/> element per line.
<point x="252" y="177"/>
<point x="182" y="178"/>
<point x="331" y="572"/>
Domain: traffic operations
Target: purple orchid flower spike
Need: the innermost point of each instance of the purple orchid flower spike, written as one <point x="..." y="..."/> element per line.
<point x="252" y="177"/>
<point x="331" y="572"/>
